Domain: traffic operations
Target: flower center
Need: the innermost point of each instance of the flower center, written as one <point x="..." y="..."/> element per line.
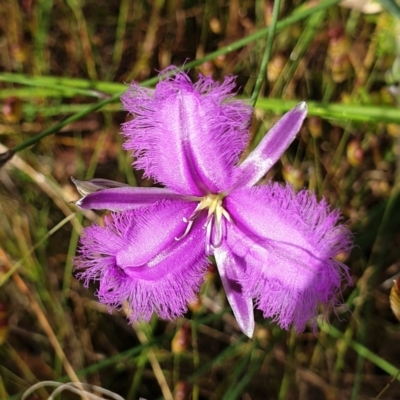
<point x="216" y="212"/>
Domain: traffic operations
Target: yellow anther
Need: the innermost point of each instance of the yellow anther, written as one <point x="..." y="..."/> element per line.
<point x="212" y="203"/>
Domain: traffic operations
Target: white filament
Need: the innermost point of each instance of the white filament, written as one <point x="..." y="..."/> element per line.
<point x="216" y="213"/>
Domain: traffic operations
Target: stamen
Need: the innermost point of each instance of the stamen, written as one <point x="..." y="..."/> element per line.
<point x="208" y="219"/>
<point x="218" y="234"/>
<point x="226" y="215"/>
<point x="215" y="215"/>
<point x="187" y="230"/>
<point x="208" y="227"/>
<point x="189" y="221"/>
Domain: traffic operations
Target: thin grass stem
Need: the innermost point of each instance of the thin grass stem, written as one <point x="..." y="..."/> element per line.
<point x="296" y="16"/>
<point x="267" y="53"/>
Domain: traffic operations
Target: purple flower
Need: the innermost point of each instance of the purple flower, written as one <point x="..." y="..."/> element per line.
<point x="271" y="245"/>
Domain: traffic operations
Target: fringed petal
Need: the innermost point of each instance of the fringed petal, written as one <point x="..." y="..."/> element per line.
<point x="288" y="243"/>
<point x="187" y="136"/>
<point x="271" y="147"/>
<point x="229" y="268"/>
<point x="136" y="259"/>
<point x="126" y="198"/>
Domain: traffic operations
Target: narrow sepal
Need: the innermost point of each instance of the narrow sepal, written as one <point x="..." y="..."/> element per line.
<point x="127" y="198"/>
<point x="93" y="185"/>
<point x="271" y="147"/>
<point x="242" y="306"/>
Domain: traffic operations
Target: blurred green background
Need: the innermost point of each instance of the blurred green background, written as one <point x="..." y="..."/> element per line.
<point x="63" y="65"/>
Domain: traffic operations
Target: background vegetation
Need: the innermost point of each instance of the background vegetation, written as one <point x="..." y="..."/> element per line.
<point x="63" y="67"/>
